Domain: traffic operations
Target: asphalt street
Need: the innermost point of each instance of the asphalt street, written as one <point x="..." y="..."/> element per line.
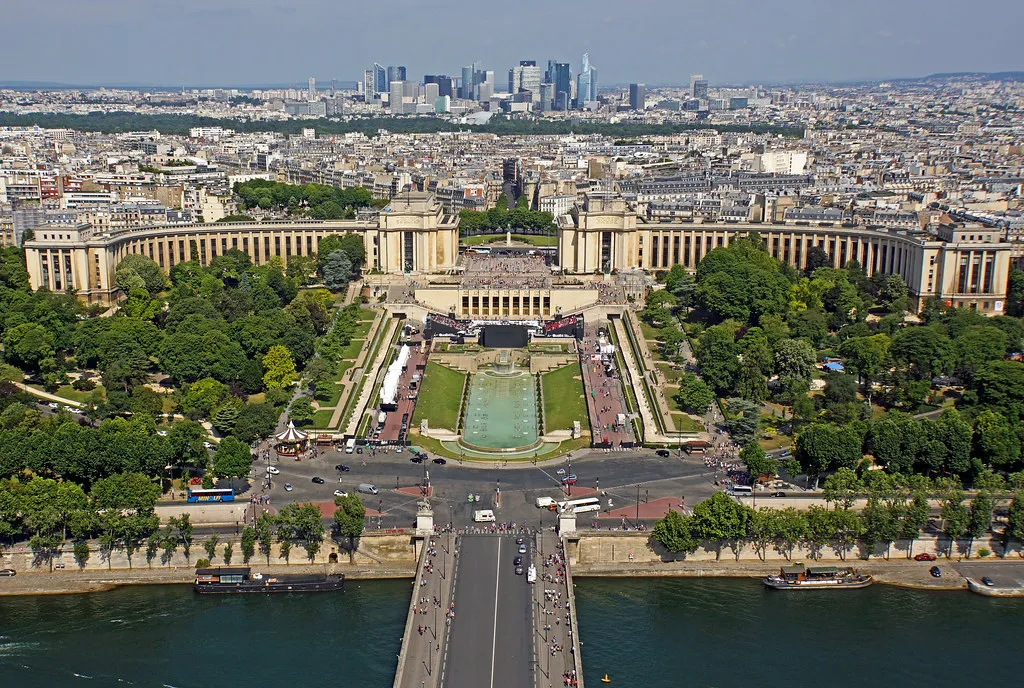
<point x="490" y="640"/>
<point x="619" y="474"/>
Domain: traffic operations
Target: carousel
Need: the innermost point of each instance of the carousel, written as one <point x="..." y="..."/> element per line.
<point x="291" y="442"/>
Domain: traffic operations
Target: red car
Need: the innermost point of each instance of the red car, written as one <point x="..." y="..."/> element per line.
<point x="924" y="556"/>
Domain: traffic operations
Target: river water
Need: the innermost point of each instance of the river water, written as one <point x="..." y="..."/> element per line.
<point x="644" y="633"/>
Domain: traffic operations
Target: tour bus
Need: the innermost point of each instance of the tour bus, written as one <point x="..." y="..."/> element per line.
<point x="483" y="516"/>
<point x="576" y="504"/>
<point x="740" y="491"/>
<point x="218" y="494"/>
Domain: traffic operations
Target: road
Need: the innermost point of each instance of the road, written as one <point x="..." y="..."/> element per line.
<point x="491" y="636"/>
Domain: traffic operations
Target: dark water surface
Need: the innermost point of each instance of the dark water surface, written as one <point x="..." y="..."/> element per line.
<point x="644" y="633"/>
<point x="167" y="635"/>
<point x="728" y="633"/>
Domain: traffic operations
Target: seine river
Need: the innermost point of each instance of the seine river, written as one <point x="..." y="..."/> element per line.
<point x="643" y="633"/>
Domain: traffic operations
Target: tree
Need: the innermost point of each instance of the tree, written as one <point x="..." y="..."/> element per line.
<point x="337" y="270"/>
<point x="27" y="344"/>
<point x="301" y="410"/>
<point x="955" y="518"/>
<point x="233" y="459"/>
<point x="674" y="532"/>
<point x="1000" y="385"/>
<point x="743" y="421"/>
<point x="265" y="534"/>
<point x="757" y="462"/>
<point x="229" y="550"/>
<point x="255" y="421"/>
<point x="821" y="528"/>
<point x="682" y="285"/>
<point x="349" y="518"/>
<point x="185" y="442"/>
<point x="821" y="447"/>
<point x="762" y="530"/>
<point x="1015" y="519"/>
<point x="202" y="396"/>
<point x="915" y="519"/>
<point x="248" y="544"/>
<point x="921" y="352"/>
<point x="301" y="522"/>
<point x="81" y="551"/>
<point x="881" y="525"/>
<point x="790" y="528"/>
<point x="720" y="519"/>
<point x="210" y="545"/>
<point x="979" y="519"/>
<point x="794" y="360"/>
<point x="817" y="257"/>
<point x="995" y="441"/>
<point x="137" y="269"/>
<point x="848" y="527"/>
<point x="865" y="356"/>
<point x="280" y="368"/>
<point x="893" y="294"/>
<point x="978" y="345"/>
<point x="694" y="396"/>
<point x="951" y="434"/>
<point x="842" y="488"/>
<point x="742" y="281"/>
<point x="717" y="357"/>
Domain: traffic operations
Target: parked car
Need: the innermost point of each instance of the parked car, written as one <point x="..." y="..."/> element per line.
<point x="987" y="581"/>
<point x="439" y="461"/>
<point x="288" y="487"/>
<point x="517" y="561"/>
<point x="340" y="493"/>
<point x="342" y="467"/>
<point x="569" y="480"/>
<point x="416" y="458"/>
<point x="54" y="405"/>
<point x="924" y="556"/>
<point x="936" y="573"/>
<point x="560" y="471"/>
<point x="519" y="541"/>
<point x="519" y="570"/>
<point x="359" y="450"/>
<point x="522" y="549"/>
<point x="318" y="480"/>
<point x="662" y="452"/>
<point x="8" y="572"/>
<point x="778" y="494"/>
<point x="273" y="470"/>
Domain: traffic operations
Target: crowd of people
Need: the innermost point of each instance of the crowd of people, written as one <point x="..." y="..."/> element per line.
<point x="505" y="272"/>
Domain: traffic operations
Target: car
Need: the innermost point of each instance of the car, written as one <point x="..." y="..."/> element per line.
<point x="519" y="541"/>
<point x="54" y="405"/>
<point x="518" y="561"/>
<point x="569" y="480"/>
<point x="398" y="450"/>
<point x="416" y="458"/>
<point x="522" y="549"/>
<point x="778" y="494"/>
<point x="936" y="573"/>
<point x="476" y="498"/>
<point x="519" y="570"/>
<point x="208" y="445"/>
<point x="288" y="487"/>
<point x="987" y="581"/>
<point x="359" y="450"/>
<point x="662" y="452"/>
<point x="342" y="468"/>
<point x="439" y="461"/>
<point x="470" y="497"/>
<point x="924" y="556"/>
<point x="340" y="493"/>
<point x="560" y="471"/>
<point x="8" y="572"/>
<point x="318" y="480"/>
<point x="273" y="470"/>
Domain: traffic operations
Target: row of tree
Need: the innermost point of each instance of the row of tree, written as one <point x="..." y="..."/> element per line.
<point x="315" y="201"/>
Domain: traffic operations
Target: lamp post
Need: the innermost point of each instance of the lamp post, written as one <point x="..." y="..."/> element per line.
<point x="638" y="504"/>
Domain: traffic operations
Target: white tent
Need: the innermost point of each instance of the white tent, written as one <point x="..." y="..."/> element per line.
<point x="389" y="390"/>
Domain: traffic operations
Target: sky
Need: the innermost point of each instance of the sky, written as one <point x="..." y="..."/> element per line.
<point x="246" y="42"/>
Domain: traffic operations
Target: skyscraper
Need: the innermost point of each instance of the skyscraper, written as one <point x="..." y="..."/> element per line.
<point x="586" y="83"/>
<point x="525" y="77"/>
<point x="559" y="75"/>
<point x="380" y="80"/>
<point x="396" y="98"/>
<point x="466" y="93"/>
<point x="698" y="86"/>
<point x="637" y="96"/>
<point x="396" y="73"/>
<point x="445" y="84"/>
<point x="312" y="88"/>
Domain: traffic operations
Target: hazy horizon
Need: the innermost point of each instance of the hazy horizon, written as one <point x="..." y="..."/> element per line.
<point x="234" y="43"/>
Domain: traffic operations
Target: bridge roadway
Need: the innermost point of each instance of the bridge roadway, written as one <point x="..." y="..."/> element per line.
<point x="491" y="642"/>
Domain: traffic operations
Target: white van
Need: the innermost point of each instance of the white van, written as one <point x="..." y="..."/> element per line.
<point x="483" y="516"/>
<point x="367" y="488"/>
<point x="740" y="491"/>
<point x="544" y="502"/>
<point x="350" y="446"/>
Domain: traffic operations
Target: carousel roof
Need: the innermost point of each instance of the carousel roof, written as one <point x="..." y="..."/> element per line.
<point x="291" y="435"/>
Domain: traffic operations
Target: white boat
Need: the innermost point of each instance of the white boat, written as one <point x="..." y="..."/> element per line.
<point x="531" y="574"/>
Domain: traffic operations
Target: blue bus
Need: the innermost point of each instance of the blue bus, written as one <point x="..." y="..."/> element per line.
<point x="217" y="494"/>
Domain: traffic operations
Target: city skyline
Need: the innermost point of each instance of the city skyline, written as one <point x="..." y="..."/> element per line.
<point x="646" y="42"/>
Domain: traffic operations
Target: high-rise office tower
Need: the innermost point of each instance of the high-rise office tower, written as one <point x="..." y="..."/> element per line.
<point x="525" y="77"/>
<point x="586" y="83"/>
<point x="431" y="92"/>
<point x="547" y="96"/>
<point x="380" y="80"/>
<point x="559" y="75"/>
<point x="445" y="84"/>
<point x="698" y="86"/>
<point x="368" y="85"/>
<point x="312" y="88"/>
<point x="396" y="97"/>
<point x="396" y="73"/>
<point x="466" y="92"/>
<point x="637" y="96"/>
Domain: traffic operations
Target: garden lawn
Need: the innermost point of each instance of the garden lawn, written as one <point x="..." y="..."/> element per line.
<point x="440" y="397"/>
<point x="686" y="424"/>
<point x="322" y="419"/>
<point x="564" y="399"/>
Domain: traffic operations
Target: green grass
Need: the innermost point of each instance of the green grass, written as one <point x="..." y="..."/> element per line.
<point x="564" y="400"/>
<point x="670" y="399"/>
<point x="69" y="392"/>
<point x="367" y="315"/>
<point x="672" y="374"/>
<point x="533" y="240"/>
<point x="684" y="423"/>
<point x="322" y="419"/>
<point x="332" y="400"/>
<point x="343" y="368"/>
<point x="351" y="352"/>
<point x="440" y="397"/>
<point x="775" y="442"/>
<point x="650" y="333"/>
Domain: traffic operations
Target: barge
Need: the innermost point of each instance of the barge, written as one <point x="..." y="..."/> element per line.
<point x="241" y="580"/>
<point x="799" y="577"/>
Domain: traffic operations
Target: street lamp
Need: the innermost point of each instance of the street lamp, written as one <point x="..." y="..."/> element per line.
<point x="638" y="503"/>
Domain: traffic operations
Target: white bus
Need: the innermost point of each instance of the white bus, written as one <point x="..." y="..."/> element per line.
<point x="740" y="491"/>
<point x="577" y="503"/>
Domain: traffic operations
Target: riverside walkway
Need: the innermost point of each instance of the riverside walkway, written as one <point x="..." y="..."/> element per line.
<point x="493" y="628"/>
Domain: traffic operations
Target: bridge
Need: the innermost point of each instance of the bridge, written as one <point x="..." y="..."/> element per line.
<point x="473" y="622"/>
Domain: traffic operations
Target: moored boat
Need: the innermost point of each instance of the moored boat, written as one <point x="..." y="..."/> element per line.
<point x="241" y="580"/>
<point x="799" y="577"/>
